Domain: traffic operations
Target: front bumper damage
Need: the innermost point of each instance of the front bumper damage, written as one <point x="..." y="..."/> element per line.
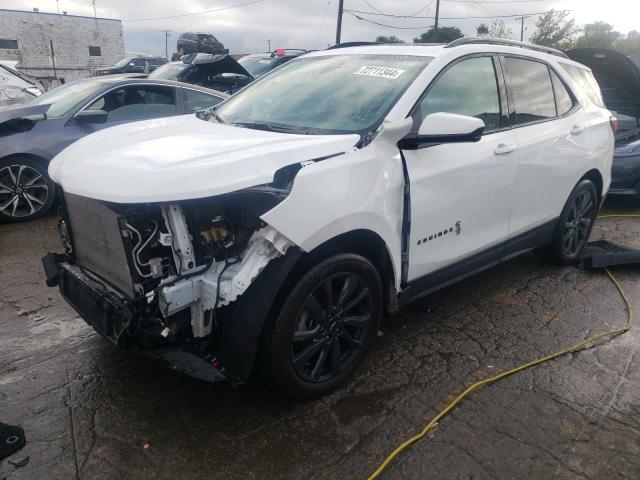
<point x="227" y="352"/>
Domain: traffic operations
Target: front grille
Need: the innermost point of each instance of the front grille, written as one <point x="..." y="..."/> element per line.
<point x="97" y="241"/>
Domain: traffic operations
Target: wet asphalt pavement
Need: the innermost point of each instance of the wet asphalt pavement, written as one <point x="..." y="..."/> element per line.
<point x="90" y="411"/>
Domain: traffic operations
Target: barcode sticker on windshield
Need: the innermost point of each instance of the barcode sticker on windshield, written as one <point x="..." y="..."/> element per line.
<point x="381" y="72"/>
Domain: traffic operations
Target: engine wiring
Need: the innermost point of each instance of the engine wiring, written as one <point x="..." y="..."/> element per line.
<point x="494" y="378"/>
<point x="140" y="246"/>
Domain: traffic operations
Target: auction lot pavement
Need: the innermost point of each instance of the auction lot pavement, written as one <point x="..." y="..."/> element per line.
<point x="90" y="411"/>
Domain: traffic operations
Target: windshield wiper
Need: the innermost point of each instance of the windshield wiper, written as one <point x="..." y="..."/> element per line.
<point x="270" y="127"/>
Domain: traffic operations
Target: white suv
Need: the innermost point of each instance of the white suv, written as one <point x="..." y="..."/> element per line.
<point x="285" y="223"/>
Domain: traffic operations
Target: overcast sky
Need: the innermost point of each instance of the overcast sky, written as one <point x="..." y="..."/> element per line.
<point x="310" y="24"/>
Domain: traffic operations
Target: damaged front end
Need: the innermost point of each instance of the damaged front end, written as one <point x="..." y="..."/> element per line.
<point x="191" y="282"/>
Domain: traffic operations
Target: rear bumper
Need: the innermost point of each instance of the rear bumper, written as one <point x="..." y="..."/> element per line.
<point x="625" y="175"/>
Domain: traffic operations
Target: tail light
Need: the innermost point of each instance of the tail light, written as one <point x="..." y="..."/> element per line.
<point x="615" y="124"/>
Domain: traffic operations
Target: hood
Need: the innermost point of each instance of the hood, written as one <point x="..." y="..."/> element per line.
<point x="216" y="64"/>
<point x="617" y="75"/>
<point x="180" y="158"/>
<point x="22" y="112"/>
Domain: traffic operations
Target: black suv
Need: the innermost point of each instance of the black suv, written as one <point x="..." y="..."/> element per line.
<point x="200" y="43"/>
<point x="137" y="64"/>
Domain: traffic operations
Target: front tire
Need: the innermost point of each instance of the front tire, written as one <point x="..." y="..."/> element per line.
<point x="325" y="326"/>
<point x="26" y="191"/>
<point x="574" y="225"/>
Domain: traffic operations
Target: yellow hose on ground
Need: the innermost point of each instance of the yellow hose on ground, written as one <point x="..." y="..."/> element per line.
<point x="502" y="375"/>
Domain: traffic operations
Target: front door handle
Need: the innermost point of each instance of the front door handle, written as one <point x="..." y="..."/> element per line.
<point x="504" y="149"/>
<point x="577" y="130"/>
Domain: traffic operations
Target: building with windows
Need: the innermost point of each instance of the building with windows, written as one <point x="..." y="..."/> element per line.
<point x="58" y="48"/>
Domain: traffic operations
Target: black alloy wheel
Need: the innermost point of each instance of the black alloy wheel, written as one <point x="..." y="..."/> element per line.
<point x="26" y="192"/>
<point x="574" y="225"/>
<point x="326" y="325"/>
<point x="332" y="322"/>
<point x="578" y="224"/>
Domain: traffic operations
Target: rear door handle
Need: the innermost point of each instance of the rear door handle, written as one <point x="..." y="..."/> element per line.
<point x="577" y="130"/>
<point x="504" y="149"/>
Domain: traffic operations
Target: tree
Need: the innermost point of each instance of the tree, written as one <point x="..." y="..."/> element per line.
<point x="499" y="29"/>
<point x="444" y="35"/>
<point x="630" y="44"/>
<point x="598" y="35"/>
<point x="555" y="29"/>
<point x="391" y="39"/>
<point x="482" y="29"/>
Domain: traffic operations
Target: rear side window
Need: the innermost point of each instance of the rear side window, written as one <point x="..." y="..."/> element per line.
<point x="467" y="88"/>
<point x="564" y="100"/>
<point x="586" y="82"/>
<point x="530" y="87"/>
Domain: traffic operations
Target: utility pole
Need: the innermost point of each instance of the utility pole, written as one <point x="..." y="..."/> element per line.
<point x="522" y="19"/>
<point x="58" y="6"/>
<point x="166" y="44"/>
<point x="339" y="24"/>
<point x="435" y="26"/>
<point x="269" y="47"/>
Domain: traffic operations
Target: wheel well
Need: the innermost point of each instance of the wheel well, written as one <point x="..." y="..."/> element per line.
<point x="361" y="242"/>
<point x="595" y="176"/>
<point x="35" y="158"/>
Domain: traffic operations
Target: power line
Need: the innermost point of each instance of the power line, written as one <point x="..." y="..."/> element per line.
<point x="410" y="15"/>
<point x="382" y="24"/>
<point x="453" y="18"/>
<point x="195" y="13"/>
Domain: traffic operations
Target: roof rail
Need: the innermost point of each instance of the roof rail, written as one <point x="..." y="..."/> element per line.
<point x="509" y="43"/>
<point x="351" y="44"/>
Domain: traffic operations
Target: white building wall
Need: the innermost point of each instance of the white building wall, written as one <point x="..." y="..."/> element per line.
<point x="71" y="37"/>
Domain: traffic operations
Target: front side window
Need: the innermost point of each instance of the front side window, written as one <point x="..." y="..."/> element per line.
<point x="467" y="88"/>
<point x="136" y="103"/>
<point x="325" y="94"/>
<point x="194" y="100"/>
<point x="529" y="84"/>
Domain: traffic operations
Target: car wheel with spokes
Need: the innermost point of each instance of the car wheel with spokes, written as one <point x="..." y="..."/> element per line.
<point x="326" y="325"/>
<point x="574" y="225"/>
<point x="26" y="191"/>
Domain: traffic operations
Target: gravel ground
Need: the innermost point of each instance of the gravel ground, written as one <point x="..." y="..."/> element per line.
<point x="90" y="411"/>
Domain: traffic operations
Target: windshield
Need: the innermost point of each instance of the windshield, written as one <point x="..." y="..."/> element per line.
<point x="123" y="62"/>
<point x="258" y="66"/>
<point x="337" y="93"/>
<point x="65" y="97"/>
<point x="169" y="71"/>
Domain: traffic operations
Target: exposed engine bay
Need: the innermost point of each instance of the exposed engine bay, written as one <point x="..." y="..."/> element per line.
<point x="164" y="270"/>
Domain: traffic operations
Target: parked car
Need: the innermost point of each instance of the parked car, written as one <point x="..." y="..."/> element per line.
<point x="619" y="79"/>
<point x="218" y="72"/>
<point x="191" y="42"/>
<point x="341" y="186"/>
<point x="16" y="87"/>
<point x="138" y="64"/>
<point x="30" y="136"/>
<point x="260" y="63"/>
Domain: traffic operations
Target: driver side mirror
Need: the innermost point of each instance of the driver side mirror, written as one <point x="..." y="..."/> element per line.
<point x="91" y="116"/>
<point x="447" y="128"/>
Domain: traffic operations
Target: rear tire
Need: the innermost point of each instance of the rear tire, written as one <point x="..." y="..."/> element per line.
<point x="26" y="191"/>
<point x="325" y="326"/>
<point x="574" y="226"/>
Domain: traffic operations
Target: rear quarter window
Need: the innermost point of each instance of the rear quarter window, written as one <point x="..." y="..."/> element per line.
<point x="586" y="82"/>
